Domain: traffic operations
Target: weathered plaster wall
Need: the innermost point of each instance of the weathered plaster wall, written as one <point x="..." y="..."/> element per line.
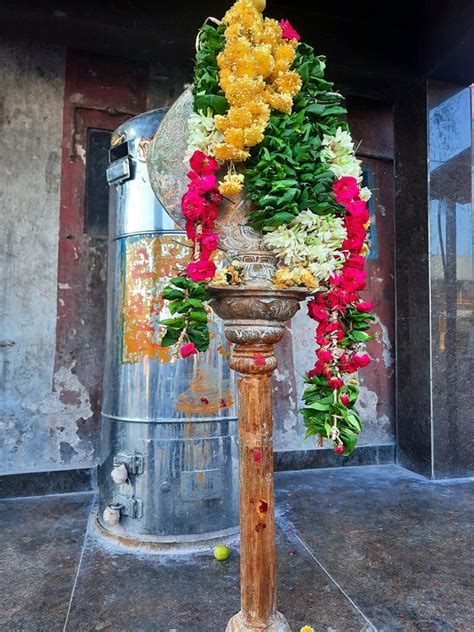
<point x="31" y="92"/>
<point x="52" y="321"/>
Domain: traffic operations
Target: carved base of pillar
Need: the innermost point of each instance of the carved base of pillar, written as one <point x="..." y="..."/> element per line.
<point x="239" y="623"/>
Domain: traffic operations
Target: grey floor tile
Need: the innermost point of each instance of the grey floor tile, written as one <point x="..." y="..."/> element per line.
<point x="41" y="543"/>
<point x="399" y="545"/>
<point x="118" y="592"/>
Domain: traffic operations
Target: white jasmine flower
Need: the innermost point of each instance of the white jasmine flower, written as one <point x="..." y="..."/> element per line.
<point x="365" y="194"/>
<point x="346" y="166"/>
<point x="339" y="145"/>
<point x="311" y="242"/>
<point x="202" y="134"/>
<point x="338" y="153"/>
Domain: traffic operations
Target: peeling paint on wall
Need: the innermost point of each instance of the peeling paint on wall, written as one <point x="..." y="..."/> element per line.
<point x="53" y="426"/>
<point x="377" y="427"/>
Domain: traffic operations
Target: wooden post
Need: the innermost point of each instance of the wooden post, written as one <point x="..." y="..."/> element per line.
<point x="254" y="320"/>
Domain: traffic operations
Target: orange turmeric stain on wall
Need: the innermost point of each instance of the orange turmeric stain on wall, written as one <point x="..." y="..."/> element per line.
<point x="202" y="396"/>
<point x="148" y="264"/>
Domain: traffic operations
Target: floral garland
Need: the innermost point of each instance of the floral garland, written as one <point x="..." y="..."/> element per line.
<point x="261" y="101"/>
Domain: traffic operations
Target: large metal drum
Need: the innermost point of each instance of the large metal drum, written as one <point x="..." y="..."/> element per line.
<point x="170" y="473"/>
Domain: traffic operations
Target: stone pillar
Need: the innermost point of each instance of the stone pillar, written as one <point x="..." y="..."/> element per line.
<point x="434" y="280"/>
<point x="254" y="320"/>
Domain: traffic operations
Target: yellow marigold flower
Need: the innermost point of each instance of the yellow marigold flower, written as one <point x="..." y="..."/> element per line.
<point x="259" y="108"/>
<point x="233" y="30"/>
<point x="289" y="83"/>
<point x="280" y="102"/>
<point x="279" y="67"/>
<point x="264" y="60"/>
<point x="306" y="278"/>
<point x="247" y="20"/>
<point x="246" y="66"/>
<point x="255" y="32"/>
<point x="239" y="117"/>
<point x="223" y="152"/>
<point x="254" y="75"/>
<point x="307" y="628"/>
<point x="225" y="78"/>
<point x="284" y="278"/>
<point x="240" y="10"/>
<point x="253" y="135"/>
<point x="221" y="122"/>
<point x="242" y="90"/>
<point x="235" y="137"/>
<point x="220" y="278"/>
<point x="271" y="26"/>
<point x="367" y="224"/>
<point x="235" y="49"/>
<point x="232" y="184"/>
<point x="365" y="250"/>
<point x="284" y="53"/>
<point x="271" y="32"/>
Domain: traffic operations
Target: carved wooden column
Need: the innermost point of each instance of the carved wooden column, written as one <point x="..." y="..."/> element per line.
<point x="254" y="320"/>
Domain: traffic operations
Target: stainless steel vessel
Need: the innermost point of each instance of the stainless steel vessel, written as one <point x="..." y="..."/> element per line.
<point x="170" y="472"/>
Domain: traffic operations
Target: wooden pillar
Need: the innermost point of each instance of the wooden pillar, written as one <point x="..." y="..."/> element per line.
<point x="254" y="320"/>
<point x="255" y="364"/>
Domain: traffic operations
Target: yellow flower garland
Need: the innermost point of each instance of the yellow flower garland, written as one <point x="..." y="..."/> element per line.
<point x="255" y="75"/>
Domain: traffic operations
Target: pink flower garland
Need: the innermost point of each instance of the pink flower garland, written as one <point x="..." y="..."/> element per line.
<point x="199" y="205"/>
<point x="326" y="308"/>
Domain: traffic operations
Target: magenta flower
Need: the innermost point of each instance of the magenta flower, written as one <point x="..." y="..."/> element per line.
<point x="287" y="31"/>
<point x="188" y="349"/>
<point x="203" y="164"/>
<point x="345" y="189"/>
<point x="345" y="399"/>
<point x="201" y="270"/>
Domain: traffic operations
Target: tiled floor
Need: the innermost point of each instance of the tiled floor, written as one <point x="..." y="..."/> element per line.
<point x="365" y="548"/>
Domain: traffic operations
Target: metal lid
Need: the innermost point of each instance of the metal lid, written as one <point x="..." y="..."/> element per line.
<point x="133" y="207"/>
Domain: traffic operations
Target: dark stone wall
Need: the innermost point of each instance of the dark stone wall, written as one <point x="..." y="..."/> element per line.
<point x="434" y="280"/>
<point x="412" y="283"/>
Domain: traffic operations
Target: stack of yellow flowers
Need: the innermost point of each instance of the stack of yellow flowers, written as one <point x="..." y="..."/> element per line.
<point x="255" y="75"/>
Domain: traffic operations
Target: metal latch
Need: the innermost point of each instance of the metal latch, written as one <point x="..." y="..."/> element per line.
<point x="118" y="171"/>
<point x="131" y="507"/>
<point x="121" y="166"/>
<point x="135" y="463"/>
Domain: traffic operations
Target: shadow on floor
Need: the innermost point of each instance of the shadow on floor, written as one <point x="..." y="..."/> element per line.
<point x="364" y="548"/>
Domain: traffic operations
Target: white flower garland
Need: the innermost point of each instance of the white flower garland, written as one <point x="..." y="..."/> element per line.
<point x="311" y="242"/>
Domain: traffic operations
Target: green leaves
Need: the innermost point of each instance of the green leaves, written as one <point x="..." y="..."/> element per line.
<point x="356" y="325"/>
<point x="321" y="411"/>
<point x="170" y="338"/>
<point x="319" y="109"/>
<point x="182" y="282"/>
<point x="284" y="174"/>
<point x="206" y="90"/>
<point x="199" y="334"/>
<point x="170" y="294"/>
<point x="186" y="299"/>
<point x="217" y="103"/>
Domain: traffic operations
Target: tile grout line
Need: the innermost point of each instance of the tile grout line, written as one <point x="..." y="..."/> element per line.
<point x="294" y="533"/>
<point x="86" y="535"/>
